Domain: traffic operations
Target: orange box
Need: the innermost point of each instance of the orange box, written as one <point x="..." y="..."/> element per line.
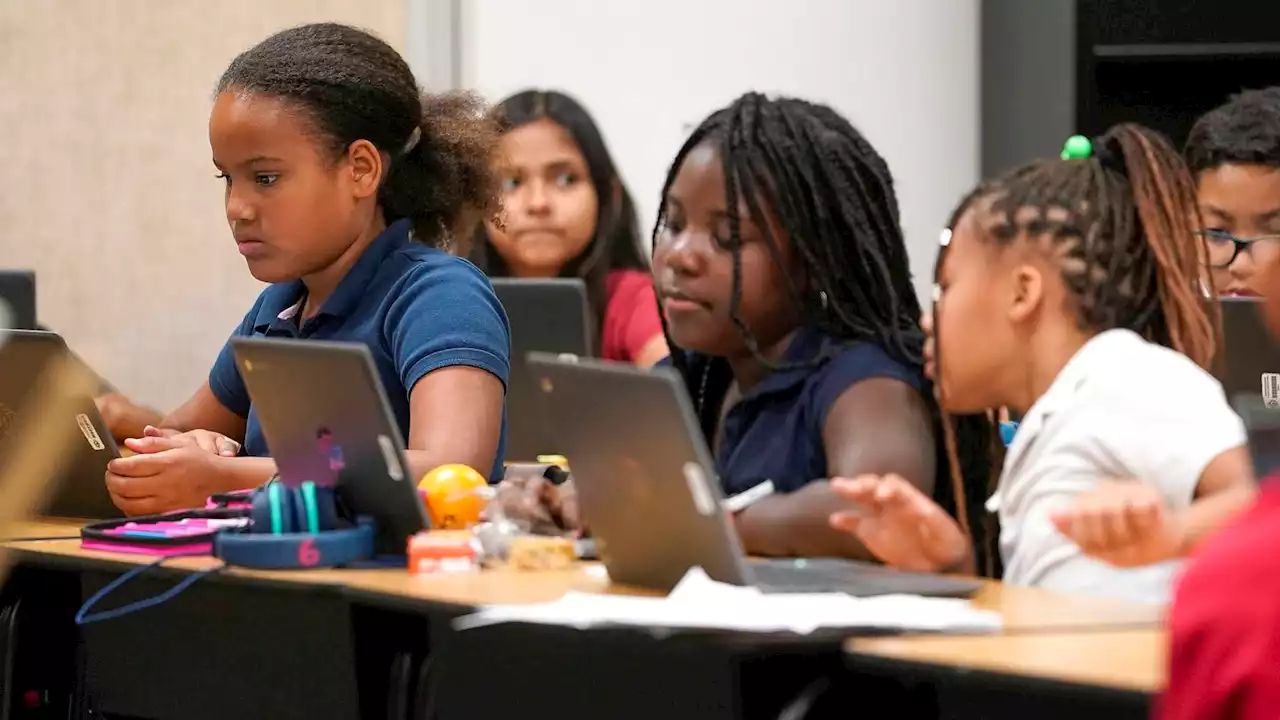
<point x="442" y="551"/>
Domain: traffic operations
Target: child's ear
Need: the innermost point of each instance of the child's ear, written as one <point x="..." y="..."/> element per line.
<point x="364" y="168"/>
<point x="1028" y="292"/>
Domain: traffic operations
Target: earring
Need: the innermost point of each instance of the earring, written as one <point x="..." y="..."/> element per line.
<point x="822" y="299"/>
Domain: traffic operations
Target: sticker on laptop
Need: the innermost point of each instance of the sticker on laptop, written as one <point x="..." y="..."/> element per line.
<point x="697" y="481"/>
<point x="90" y="432"/>
<point x="391" y="456"/>
<point x="1271" y="389"/>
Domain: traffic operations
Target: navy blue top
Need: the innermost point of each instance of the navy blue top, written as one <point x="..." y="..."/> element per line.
<point x="416" y="308"/>
<point x="774" y="432"/>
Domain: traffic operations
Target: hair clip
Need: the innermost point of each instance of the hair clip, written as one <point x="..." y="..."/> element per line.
<point x="1077" y="147"/>
<point x="412" y="142"/>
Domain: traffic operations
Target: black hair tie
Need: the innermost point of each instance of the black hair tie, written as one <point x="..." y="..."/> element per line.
<point x="1109" y="153"/>
<point x="1104" y="149"/>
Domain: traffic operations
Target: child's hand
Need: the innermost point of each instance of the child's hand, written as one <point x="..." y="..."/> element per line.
<point x="158" y="440"/>
<point x="530" y="498"/>
<point x="1124" y="523"/>
<point x="177" y="479"/>
<point x="899" y="524"/>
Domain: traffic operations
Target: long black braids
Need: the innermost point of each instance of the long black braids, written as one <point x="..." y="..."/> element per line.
<point x="832" y="195"/>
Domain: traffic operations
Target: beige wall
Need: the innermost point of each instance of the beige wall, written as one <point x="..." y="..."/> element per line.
<point x="106" y="186"/>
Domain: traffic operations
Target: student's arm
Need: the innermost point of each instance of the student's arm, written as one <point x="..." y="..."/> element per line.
<point x="1091" y="556"/>
<point x="1126" y="523"/>
<point x="183" y="468"/>
<point x="124" y="417"/>
<point x="449" y="336"/>
<point x="222" y="403"/>
<point x="204" y="411"/>
<point x="455" y="417"/>
<point x="1226" y="488"/>
<point x="1192" y="448"/>
<point x="878" y="426"/>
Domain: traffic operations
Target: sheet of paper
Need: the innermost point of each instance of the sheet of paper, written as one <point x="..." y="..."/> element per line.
<point x="698" y="602"/>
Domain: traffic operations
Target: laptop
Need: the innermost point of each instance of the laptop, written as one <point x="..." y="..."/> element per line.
<point x="548" y="315"/>
<point x="38" y="450"/>
<point x="82" y="491"/>
<point x="18" y="292"/>
<point x="1250" y="362"/>
<point x="647" y="485"/>
<point x="1262" y="426"/>
<point x="326" y="418"/>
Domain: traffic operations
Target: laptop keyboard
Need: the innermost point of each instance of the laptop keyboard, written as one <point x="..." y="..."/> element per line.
<point x="853" y="578"/>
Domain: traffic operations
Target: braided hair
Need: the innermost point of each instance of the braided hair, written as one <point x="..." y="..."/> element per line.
<point x="832" y="195"/>
<point x="1121" y="224"/>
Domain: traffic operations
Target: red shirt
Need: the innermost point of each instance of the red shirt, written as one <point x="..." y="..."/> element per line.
<point x="1225" y="623"/>
<point x="630" y="315"/>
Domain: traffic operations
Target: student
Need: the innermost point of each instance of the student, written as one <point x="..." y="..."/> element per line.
<point x="1061" y="288"/>
<point x="784" y="283"/>
<point x="1234" y="153"/>
<point x="343" y="184"/>
<point x="566" y="213"/>
<point x="1225" y="621"/>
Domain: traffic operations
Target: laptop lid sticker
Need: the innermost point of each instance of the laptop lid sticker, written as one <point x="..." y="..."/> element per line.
<point x="90" y="432"/>
<point x="697" y="481"/>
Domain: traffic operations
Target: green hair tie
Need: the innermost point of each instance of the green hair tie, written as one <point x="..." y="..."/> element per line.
<point x="1077" y="147"/>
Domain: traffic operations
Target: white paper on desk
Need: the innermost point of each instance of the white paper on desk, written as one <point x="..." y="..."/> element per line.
<point x="698" y="602"/>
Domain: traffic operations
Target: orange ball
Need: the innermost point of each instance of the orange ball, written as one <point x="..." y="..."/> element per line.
<point x="453" y="496"/>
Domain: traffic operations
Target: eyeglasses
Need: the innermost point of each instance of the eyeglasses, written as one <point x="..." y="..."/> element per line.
<point x="1224" y="247"/>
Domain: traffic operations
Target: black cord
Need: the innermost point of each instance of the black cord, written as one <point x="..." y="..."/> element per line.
<point x="39" y="539"/>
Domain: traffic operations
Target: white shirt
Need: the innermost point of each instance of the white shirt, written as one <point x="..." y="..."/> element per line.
<point x="1121" y="408"/>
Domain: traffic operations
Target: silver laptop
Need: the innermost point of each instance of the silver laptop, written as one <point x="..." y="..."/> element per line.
<point x="648" y="490"/>
<point x="326" y="418"/>
<point x="82" y="490"/>
<point x="1250" y="362"/>
<point x="548" y="315"/>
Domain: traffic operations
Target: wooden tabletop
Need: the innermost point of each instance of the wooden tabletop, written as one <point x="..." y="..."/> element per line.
<point x="1026" y="609"/>
<point x="1022" y="608"/>
<point x="488" y="587"/>
<point x="1131" y="660"/>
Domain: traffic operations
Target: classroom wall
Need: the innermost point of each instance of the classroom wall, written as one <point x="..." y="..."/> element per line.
<point x="106" y="184"/>
<point x="906" y="72"/>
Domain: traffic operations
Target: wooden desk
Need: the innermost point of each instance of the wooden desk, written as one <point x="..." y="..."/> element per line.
<point x="467" y="589"/>
<point x="1131" y="660"/>
<point x="361" y="619"/>
<point x="1022" y="608"/>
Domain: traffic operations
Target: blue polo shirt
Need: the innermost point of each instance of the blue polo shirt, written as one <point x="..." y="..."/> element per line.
<point x="416" y="308"/>
<point x="774" y="432"/>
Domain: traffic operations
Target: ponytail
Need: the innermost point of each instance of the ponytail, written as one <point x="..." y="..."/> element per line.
<point x="1168" y="219"/>
<point x="443" y="179"/>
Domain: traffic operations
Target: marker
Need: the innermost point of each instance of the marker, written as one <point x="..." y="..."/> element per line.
<point x="747" y="498"/>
